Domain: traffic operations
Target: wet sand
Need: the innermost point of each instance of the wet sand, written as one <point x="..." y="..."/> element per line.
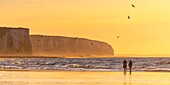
<point x="82" y="78"/>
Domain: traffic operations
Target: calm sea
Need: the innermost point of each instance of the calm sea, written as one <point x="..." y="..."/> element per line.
<point x="86" y="64"/>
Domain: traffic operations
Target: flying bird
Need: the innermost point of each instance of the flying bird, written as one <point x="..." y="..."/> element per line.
<point x="117" y="36"/>
<point x="133" y="5"/>
<point x="128" y="17"/>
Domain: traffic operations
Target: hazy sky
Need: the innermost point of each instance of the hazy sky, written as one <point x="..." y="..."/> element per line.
<point x="148" y="31"/>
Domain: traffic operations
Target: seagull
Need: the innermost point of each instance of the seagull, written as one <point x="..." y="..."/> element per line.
<point x="117" y="36"/>
<point x="133" y="5"/>
<point x="128" y="17"/>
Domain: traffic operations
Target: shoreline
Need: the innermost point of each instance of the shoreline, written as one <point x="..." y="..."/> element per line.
<point x="82" y="65"/>
<point x="25" y="70"/>
<point x="39" y="56"/>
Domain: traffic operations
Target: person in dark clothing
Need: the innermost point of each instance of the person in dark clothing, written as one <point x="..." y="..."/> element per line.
<point x="130" y="66"/>
<point x="124" y="66"/>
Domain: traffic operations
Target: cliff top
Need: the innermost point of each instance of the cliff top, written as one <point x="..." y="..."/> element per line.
<point x="14" y="28"/>
<point x="67" y="37"/>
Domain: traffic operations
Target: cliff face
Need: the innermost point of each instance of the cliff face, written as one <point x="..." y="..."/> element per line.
<point x="17" y="41"/>
<point x="14" y="41"/>
<point x="66" y="46"/>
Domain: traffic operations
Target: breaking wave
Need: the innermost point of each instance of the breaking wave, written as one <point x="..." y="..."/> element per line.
<point x="86" y="64"/>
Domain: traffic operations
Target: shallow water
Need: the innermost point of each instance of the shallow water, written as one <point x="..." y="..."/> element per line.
<point x="86" y="64"/>
<point x="82" y="78"/>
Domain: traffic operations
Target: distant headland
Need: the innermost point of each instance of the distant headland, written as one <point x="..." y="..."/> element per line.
<point x="17" y="41"/>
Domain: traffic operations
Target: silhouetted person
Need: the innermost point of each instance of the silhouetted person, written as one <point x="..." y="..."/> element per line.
<point x="124" y="66"/>
<point x="130" y="66"/>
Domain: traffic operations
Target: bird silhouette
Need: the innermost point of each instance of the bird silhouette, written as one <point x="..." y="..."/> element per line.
<point x="128" y="17"/>
<point x="133" y="5"/>
<point x="117" y="36"/>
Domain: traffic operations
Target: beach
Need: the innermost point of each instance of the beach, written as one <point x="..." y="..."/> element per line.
<point x="82" y="78"/>
<point x="83" y="71"/>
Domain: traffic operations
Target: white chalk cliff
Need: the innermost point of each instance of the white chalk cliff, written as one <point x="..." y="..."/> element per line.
<point x="14" y="41"/>
<point x="17" y="41"/>
<point x="69" y="46"/>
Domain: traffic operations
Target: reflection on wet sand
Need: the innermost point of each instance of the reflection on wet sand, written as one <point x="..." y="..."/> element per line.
<point x="127" y="79"/>
<point x="82" y="78"/>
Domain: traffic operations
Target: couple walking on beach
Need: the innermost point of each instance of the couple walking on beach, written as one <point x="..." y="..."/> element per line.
<point x="125" y="66"/>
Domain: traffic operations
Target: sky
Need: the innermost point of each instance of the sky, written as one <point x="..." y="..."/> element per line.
<point x="146" y="33"/>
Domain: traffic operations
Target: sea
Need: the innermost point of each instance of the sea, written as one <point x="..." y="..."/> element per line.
<point x="87" y="64"/>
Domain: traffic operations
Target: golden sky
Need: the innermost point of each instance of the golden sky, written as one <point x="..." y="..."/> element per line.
<point x="148" y="31"/>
